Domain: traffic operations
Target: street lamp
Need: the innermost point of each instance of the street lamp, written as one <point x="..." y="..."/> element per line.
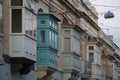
<point x="108" y="15"/>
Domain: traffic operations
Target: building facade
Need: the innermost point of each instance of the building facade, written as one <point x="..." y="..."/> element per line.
<point x="61" y="36"/>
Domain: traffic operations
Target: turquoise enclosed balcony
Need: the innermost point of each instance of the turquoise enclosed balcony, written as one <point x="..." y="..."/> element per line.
<point x="47" y="44"/>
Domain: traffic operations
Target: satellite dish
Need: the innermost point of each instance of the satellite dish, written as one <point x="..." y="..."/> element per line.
<point x="108" y="15"/>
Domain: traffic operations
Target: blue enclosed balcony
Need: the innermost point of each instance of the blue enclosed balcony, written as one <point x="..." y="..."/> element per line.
<point x="47" y="43"/>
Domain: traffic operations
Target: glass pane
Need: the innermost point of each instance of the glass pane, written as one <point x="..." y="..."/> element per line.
<point x="16" y="20"/>
<point x="67" y="32"/>
<point x="50" y="35"/>
<point x="67" y="44"/>
<point x="91" y="57"/>
<point x="42" y="21"/>
<point x="50" y="23"/>
<point x="56" y="27"/>
<point x="91" y="54"/>
<point x="52" y="38"/>
<point x="42" y="38"/>
<point x="16" y="2"/>
<point x="30" y="24"/>
<point x="53" y="24"/>
<point x="91" y="47"/>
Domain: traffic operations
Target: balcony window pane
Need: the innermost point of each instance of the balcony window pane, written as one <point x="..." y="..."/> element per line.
<point x="91" y="57"/>
<point x="53" y="38"/>
<point x="56" y="27"/>
<point x="16" y="2"/>
<point x="67" y="32"/>
<point x="91" y="47"/>
<point x="30" y="24"/>
<point x="50" y="23"/>
<point x="50" y="35"/>
<point x="16" y="20"/>
<point x="67" y="44"/>
<point x="56" y="40"/>
<point x="42" y="21"/>
<point x="42" y="34"/>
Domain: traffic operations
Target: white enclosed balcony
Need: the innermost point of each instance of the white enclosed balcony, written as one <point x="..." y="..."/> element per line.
<point x="22" y="31"/>
<point x="71" y="62"/>
<point x="22" y="37"/>
<point x="92" y="70"/>
<point x="71" y="50"/>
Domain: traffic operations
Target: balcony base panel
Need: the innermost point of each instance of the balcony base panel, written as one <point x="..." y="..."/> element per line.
<point x="21" y="65"/>
<point x="44" y="73"/>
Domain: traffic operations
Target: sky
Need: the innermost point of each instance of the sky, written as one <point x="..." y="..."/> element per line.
<point x="109" y="26"/>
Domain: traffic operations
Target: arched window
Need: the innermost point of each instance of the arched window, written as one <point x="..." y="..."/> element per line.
<point x="40" y="10"/>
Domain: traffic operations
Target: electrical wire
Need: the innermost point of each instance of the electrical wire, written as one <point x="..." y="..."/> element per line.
<point x="109" y="26"/>
<point x="115" y="7"/>
<point x="109" y="10"/>
<point x="102" y="13"/>
<point x="103" y="5"/>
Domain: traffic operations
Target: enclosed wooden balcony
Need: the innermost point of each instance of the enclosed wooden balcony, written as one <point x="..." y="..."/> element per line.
<point x="71" y="62"/>
<point x="92" y="71"/>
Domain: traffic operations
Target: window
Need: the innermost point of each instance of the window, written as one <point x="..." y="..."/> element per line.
<point x="67" y="44"/>
<point x="56" y="42"/>
<point x="16" y="20"/>
<point x="91" y="47"/>
<point x="53" y="24"/>
<point x="50" y="35"/>
<point x="67" y="32"/>
<point x="16" y="2"/>
<point x="42" y="34"/>
<point x="91" y="57"/>
<point x="30" y="24"/>
<point x="53" y="38"/>
<point x="50" y="23"/>
<point x="42" y="21"/>
<point x="56" y="26"/>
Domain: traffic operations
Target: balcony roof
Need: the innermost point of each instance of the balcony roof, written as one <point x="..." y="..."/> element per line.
<point x="76" y="27"/>
<point x="50" y="15"/>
